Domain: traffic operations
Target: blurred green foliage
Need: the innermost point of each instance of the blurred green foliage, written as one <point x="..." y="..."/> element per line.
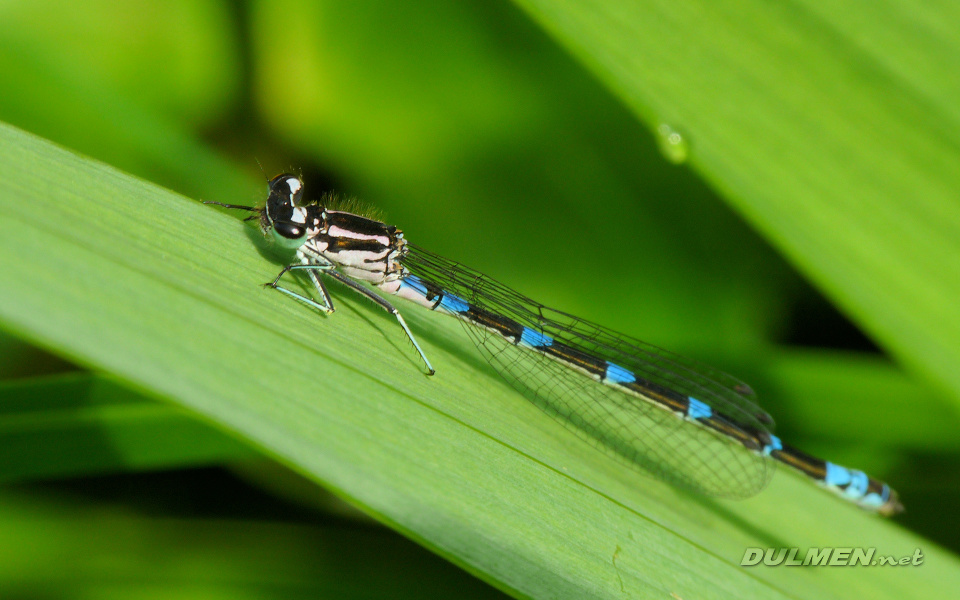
<point x="480" y="135"/>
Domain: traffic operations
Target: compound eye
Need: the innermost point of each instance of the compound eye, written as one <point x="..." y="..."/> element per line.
<point x="289" y="230"/>
<point x="288" y="187"/>
<point x="295" y="190"/>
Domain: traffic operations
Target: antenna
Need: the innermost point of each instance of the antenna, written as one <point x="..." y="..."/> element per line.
<point x="267" y="179"/>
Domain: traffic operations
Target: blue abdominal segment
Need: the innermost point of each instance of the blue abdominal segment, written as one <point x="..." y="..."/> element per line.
<point x="454" y="304"/>
<point x="617" y="374"/>
<point x="774" y="444"/>
<point x="535" y="339"/>
<point x="698" y="410"/>
<point x="415" y="284"/>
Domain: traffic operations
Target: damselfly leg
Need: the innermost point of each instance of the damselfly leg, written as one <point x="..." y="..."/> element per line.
<point x="385" y="306"/>
<point x="314" y="271"/>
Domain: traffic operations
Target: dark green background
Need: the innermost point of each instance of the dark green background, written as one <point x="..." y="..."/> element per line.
<point x="486" y="142"/>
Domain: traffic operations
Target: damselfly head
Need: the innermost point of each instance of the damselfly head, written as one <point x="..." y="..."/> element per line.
<point x="283" y="215"/>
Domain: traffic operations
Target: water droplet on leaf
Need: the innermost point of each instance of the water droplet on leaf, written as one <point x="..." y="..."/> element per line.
<point x="673" y="145"/>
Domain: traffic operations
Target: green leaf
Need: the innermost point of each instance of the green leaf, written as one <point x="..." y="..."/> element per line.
<point x="92" y="552"/>
<point x="832" y="127"/>
<point x="164" y="293"/>
<point x="78" y="424"/>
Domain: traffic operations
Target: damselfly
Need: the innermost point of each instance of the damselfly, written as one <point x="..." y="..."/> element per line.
<point x="648" y="408"/>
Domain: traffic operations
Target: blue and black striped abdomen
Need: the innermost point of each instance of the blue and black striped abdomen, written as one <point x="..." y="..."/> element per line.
<point x="648" y="408"/>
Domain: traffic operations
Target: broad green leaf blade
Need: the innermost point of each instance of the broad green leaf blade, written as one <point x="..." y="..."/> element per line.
<point x="78" y="424"/>
<point x="836" y="135"/>
<point x="92" y="552"/>
<point x="163" y="292"/>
